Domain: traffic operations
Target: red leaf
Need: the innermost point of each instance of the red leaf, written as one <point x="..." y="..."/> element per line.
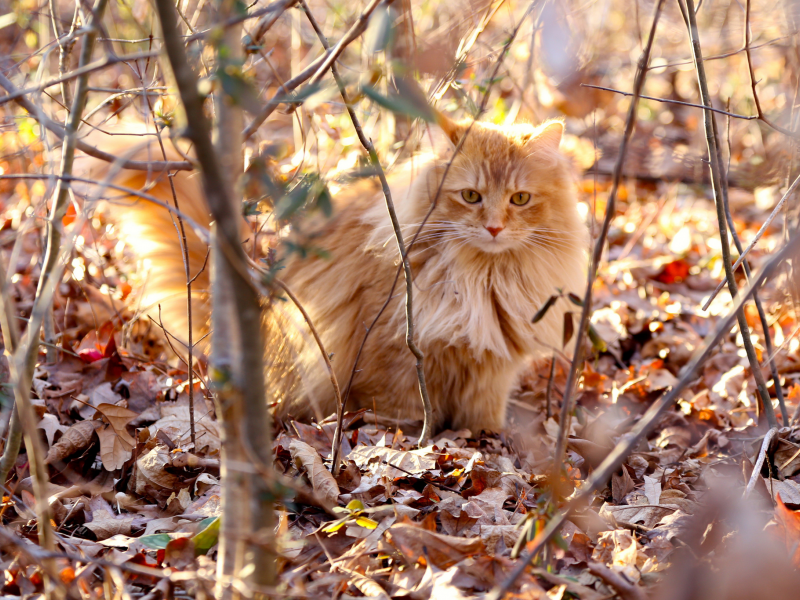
<point x="789" y="520"/>
<point x="674" y="272"/>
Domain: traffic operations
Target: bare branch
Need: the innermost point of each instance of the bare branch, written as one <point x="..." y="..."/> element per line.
<point x="716" y="184"/>
<point x="138" y="165"/>
<point x="577" y="359"/>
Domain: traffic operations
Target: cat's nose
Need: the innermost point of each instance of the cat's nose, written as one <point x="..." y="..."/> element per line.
<point x="494" y="230"/>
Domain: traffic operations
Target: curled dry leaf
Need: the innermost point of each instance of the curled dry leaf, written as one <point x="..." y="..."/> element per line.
<point x="152" y="478"/>
<point x="323" y="483"/>
<point x="76" y="438"/>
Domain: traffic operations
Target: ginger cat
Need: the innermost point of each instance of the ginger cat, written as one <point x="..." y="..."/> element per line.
<point x="504" y="235"/>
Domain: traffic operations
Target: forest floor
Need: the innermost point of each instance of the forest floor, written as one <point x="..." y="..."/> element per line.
<point x="135" y="501"/>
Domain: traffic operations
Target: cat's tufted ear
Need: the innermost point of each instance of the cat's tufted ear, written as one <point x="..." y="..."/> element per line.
<point x="453" y="130"/>
<point x="549" y="134"/>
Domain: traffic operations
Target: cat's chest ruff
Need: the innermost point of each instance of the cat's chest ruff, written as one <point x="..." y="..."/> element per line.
<point x="483" y="309"/>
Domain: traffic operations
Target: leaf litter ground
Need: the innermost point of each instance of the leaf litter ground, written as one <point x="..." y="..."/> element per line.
<point x="128" y="488"/>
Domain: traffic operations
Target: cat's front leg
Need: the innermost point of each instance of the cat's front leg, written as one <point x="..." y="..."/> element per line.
<point x="484" y="409"/>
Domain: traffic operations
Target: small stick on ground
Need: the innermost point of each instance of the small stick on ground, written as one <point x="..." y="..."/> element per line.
<point x="762" y="453"/>
<point x="625" y="589"/>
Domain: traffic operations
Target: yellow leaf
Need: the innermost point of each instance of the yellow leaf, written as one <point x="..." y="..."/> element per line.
<point x="354" y="505"/>
<point x="365" y="522"/>
<point x="335" y="526"/>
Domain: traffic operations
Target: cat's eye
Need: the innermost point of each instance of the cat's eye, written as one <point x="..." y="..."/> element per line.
<point x="520" y="198"/>
<point x="471" y="196"/>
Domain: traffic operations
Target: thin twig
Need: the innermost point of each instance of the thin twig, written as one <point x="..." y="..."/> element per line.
<point x="577" y="359"/>
<point x="762" y="315"/>
<point x="10" y="332"/>
<point x="55" y="128"/>
<point x="238" y="346"/>
<point x="716" y="184"/>
<point x="755" y="239"/>
<point x="325" y="356"/>
<point x="80" y="72"/>
<point x="387" y="193"/>
<point x="762" y="453"/>
<point x="753" y="81"/>
<point x="314" y="72"/>
<point x="434" y="201"/>
<point x="649" y="420"/>
<point x="268" y="20"/>
<point x="670" y="101"/>
<point x="626" y="590"/>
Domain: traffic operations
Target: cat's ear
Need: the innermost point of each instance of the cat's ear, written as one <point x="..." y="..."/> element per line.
<point x="549" y="134"/>
<point x="453" y="130"/>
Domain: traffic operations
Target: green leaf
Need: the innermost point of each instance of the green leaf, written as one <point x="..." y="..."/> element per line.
<point x="597" y="342"/>
<point x="575" y="299"/>
<point x="239" y="89"/>
<point x="409" y="89"/>
<point x="545" y="307"/>
<point x="207" y="537"/>
<point x="398" y="104"/>
<point x="157" y="541"/>
<point x="380" y="32"/>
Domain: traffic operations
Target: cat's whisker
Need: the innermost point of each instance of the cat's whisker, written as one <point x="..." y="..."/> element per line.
<point x="537" y="247"/>
<point x="561" y="244"/>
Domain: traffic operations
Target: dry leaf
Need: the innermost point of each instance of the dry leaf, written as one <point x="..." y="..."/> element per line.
<point x="789" y="521"/>
<point x="76" y="438"/>
<point x="413" y="462"/>
<point x="115" y="449"/>
<point x="152" y="479"/>
<point x="415" y="543"/>
<point x="117" y="416"/>
<point x="621" y="484"/>
<point x="620" y="550"/>
<point x="323" y="483"/>
<point x="50" y="425"/>
<point x="652" y="489"/>
<point x="105" y="524"/>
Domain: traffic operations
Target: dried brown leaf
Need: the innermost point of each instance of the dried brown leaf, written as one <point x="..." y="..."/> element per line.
<point x="76" y="438"/>
<point x="115" y="448"/>
<point x="323" y="483"/>
<point x="414" y="543"/>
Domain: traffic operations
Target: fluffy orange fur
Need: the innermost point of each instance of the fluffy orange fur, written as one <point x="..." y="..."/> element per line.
<point x="502" y="236"/>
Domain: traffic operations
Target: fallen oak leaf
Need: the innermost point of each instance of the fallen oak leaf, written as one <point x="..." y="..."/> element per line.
<point x="116" y="443"/>
<point x="322" y="482"/>
<point x="117" y="416"/>
<point x="50" y="425"/>
<point x="115" y="450"/>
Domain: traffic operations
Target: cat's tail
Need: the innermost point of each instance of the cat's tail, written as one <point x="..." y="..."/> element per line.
<point x="153" y="212"/>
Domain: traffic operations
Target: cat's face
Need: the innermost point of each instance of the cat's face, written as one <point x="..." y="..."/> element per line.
<point x="508" y="188"/>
